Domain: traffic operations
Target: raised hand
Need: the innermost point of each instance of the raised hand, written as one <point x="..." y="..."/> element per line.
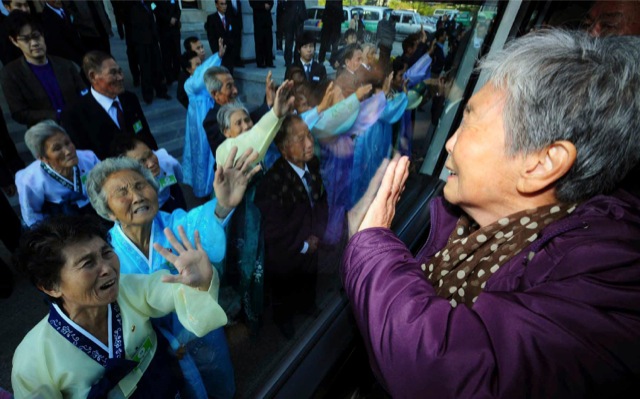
<point x="386" y="86"/>
<point x="327" y="100"/>
<point x="270" y="90"/>
<point x="231" y="180"/>
<point x="222" y="48"/>
<point x="362" y="91"/>
<point x="355" y="216"/>
<point x="192" y="263"/>
<point x="283" y="103"/>
<point x="383" y="207"/>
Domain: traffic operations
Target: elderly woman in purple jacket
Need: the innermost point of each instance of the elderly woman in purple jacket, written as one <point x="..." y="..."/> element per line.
<point x="529" y="283"/>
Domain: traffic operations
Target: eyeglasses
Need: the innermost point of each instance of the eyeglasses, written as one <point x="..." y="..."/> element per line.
<point x="28" y="38"/>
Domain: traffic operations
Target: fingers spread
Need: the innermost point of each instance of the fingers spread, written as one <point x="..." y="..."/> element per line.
<point x="231" y="158"/>
<point x="168" y="255"/>
<point x="177" y="246"/>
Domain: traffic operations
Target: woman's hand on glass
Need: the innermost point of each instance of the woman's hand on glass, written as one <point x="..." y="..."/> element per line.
<point x="383" y="207"/>
<point x="231" y="180"/>
<point x="192" y="263"/>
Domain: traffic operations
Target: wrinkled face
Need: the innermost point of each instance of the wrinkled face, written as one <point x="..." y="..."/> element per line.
<point x="297" y="148"/>
<point x="130" y="198"/>
<point x="195" y="62"/>
<point x="31" y="43"/>
<point x="89" y="277"/>
<point x="354" y="62"/>
<point x="239" y="122"/>
<point x="483" y="177"/>
<point x="59" y="152"/>
<point x="221" y="6"/>
<point x="198" y="48"/>
<point x="146" y="157"/>
<point x="21" y="5"/>
<point x="109" y="80"/>
<point x="307" y="51"/>
<point x="613" y="18"/>
<point x="228" y="92"/>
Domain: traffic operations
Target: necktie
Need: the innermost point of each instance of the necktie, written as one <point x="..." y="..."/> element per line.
<point x="307" y="70"/>
<point x="224" y="22"/>
<point x="119" y="114"/>
<point x="307" y="178"/>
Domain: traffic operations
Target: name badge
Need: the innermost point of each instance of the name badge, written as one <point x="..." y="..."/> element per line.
<point x="143" y="350"/>
<point x="137" y="127"/>
<point x="167" y="181"/>
<point x="316" y="78"/>
<point x="83" y="179"/>
<point x="153" y="6"/>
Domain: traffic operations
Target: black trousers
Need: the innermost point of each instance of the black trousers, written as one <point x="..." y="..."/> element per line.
<point x="263" y="39"/>
<point x="151" y="76"/>
<point x="291" y="33"/>
<point x="170" y="47"/>
<point x="329" y="37"/>
<point x="291" y="293"/>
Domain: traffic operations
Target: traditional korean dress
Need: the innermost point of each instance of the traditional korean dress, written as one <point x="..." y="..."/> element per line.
<point x="168" y="181"/>
<point x="58" y="358"/>
<point x="43" y="192"/>
<point x="207" y="365"/>
<point x="375" y="145"/>
<point x="197" y="160"/>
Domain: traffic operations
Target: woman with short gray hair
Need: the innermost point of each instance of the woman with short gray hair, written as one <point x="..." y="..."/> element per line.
<point x="123" y="191"/>
<point x="529" y="283"/>
<point x="54" y="183"/>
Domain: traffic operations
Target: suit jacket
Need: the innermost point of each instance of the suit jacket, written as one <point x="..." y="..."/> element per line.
<point x="164" y="11"/>
<point x="143" y="24"/>
<point x="261" y="16"/>
<point x="181" y="94"/>
<point x="61" y="36"/>
<point x="288" y="217"/>
<point x="27" y="99"/>
<point x="216" y="30"/>
<point x="90" y="126"/>
<point x="318" y="71"/>
<point x="8" y="52"/>
<point x="83" y="18"/>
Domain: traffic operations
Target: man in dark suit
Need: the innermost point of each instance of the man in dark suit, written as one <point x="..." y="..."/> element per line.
<point x="107" y="111"/>
<point x="234" y="14"/>
<point x="62" y="38"/>
<point x="145" y="38"/>
<point x="9" y="52"/>
<point x="314" y="71"/>
<point x="293" y="15"/>
<point x="92" y="23"/>
<point x="168" y="19"/>
<point x="262" y="32"/>
<point x="36" y="86"/>
<point x="293" y="203"/>
<point x="219" y="25"/>
<point x="330" y="33"/>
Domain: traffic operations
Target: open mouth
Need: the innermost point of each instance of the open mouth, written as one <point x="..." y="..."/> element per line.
<point x="108" y="284"/>
<point x="142" y="209"/>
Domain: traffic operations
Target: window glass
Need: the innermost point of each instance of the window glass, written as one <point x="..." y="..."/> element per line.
<point x="311" y="13"/>
<point x="371" y="15"/>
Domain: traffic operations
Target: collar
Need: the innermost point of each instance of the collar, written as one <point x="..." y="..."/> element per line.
<point x="299" y="170"/>
<point x="104" y="101"/>
<point x="306" y="63"/>
<point x="56" y="10"/>
<point x="221" y="15"/>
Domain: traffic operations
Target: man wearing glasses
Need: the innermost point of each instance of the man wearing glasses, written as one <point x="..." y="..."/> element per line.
<point x="36" y="86"/>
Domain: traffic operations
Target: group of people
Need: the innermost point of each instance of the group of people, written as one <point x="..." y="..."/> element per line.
<point x="531" y="260"/>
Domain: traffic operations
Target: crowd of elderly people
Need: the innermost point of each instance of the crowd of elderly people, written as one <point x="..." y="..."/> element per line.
<point x="527" y="285"/>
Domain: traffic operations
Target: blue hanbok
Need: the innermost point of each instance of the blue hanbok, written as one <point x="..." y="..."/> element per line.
<point x="207" y="363"/>
<point x="198" y="163"/>
<point x="375" y="145"/>
<point x="337" y="160"/>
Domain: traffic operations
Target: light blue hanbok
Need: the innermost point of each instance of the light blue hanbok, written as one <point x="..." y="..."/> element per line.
<point x="207" y="363"/>
<point x="336" y="162"/>
<point x="374" y="145"/>
<point x="198" y="163"/>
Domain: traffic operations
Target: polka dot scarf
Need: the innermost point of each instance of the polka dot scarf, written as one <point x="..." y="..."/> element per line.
<point x="472" y="255"/>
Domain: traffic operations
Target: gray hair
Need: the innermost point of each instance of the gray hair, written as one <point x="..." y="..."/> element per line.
<point x="225" y="112"/>
<point x="564" y="85"/>
<point x="211" y="80"/>
<point x="101" y="172"/>
<point x="37" y="134"/>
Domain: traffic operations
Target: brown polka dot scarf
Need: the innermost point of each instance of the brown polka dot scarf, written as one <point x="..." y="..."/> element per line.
<point x="472" y="255"/>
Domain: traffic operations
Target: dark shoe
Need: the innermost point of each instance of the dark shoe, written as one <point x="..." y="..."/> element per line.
<point x="287" y="329"/>
<point x="164" y="96"/>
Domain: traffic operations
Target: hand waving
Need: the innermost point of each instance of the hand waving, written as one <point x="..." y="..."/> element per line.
<point x="194" y="268"/>
<point x="231" y="180"/>
<point x="222" y="48"/>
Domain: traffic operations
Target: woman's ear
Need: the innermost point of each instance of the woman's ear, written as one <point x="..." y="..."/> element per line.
<point x="52" y="292"/>
<point x="543" y="168"/>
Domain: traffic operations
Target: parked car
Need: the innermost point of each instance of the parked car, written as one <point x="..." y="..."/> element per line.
<point x="408" y="22"/>
<point x="313" y="23"/>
